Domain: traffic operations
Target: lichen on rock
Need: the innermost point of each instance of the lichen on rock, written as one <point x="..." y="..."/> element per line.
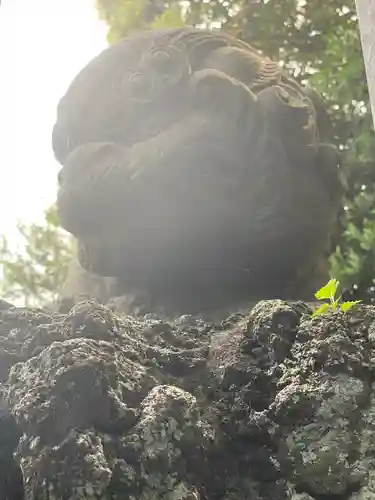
<point x="265" y="403"/>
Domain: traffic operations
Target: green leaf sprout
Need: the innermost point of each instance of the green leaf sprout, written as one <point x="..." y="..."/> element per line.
<point x="329" y="292"/>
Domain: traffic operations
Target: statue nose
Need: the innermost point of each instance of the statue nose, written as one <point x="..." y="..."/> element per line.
<point x="62" y="143"/>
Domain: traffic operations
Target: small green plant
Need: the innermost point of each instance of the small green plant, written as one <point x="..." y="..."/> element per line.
<point x="329" y="292"/>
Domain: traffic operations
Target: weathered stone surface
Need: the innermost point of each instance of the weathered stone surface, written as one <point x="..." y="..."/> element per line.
<point x="190" y="162"/>
<point x="266" y="404"/>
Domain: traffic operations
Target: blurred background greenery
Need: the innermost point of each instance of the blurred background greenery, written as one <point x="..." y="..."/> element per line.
<point x="319" y="42"/>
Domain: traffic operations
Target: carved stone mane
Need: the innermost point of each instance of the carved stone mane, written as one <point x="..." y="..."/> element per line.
<point x="196" y="170"/>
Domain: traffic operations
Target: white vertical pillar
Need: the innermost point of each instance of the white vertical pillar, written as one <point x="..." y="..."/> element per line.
<point x="366" y="14"/>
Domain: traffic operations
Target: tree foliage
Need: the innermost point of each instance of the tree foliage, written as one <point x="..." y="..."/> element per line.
<point x="34" y="270"/>
<point x="319" y="42"/>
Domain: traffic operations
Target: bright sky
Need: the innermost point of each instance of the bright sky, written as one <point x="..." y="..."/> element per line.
<point x="43" y="44"/>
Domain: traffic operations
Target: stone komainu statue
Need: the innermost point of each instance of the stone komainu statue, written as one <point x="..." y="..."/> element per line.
<point x="196" y="170"/>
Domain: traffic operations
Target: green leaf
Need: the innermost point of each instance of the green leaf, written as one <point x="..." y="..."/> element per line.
<point x="328" y="291"/>
<point x="322" y="309"/>
<point x="34" y="274"/>
<point x="335" y="303"/>
<point x="346" y="306"/>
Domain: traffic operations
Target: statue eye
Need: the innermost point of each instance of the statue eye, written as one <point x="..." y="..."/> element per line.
<point x="141" y="87"/>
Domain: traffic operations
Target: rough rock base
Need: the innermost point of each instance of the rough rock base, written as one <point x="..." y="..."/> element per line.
<point x="266" y="405"/>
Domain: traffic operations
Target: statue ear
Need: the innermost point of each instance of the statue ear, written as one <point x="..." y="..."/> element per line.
<point x="291" y="117"/>
<point x="286" y="104"/>
<point x="234" y="103"/>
